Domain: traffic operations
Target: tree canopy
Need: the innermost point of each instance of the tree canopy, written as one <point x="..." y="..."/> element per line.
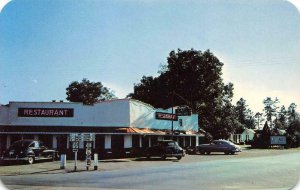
<point x="88" y="92"/>
<point x="192" y="78"/>
<point x="244" y="115"/>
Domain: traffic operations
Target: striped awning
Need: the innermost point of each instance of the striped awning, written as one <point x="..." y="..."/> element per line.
<point x="134" y="130"/>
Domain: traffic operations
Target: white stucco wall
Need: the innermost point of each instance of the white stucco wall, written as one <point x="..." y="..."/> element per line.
<point x="143" y="116"/>
<point x="113" y="113"/>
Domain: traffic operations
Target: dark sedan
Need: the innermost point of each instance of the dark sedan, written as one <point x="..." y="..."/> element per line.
<point x="218" y="146"/>
<point x="28" y="150"/>
<point x="166" y="148"/>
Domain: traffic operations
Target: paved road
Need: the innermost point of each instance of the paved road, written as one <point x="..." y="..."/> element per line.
<point x="278" y="171"/>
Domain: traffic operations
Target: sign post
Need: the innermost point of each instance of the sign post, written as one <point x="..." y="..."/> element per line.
<point x="88" y="154"/>
<point x="88" y="138"/>
<point x="75" y="138"/>
<point x="95" y="161"/>
<point x="75" y="150"/>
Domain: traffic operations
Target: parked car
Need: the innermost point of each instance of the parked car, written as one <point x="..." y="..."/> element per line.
<point x="166" y="148"/>
<point x="218" y="146"/>
<point x="29" y="150"/>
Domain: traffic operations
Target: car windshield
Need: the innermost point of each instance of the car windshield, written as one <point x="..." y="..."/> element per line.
<point x="20" y="144"/>
<point x="231" y="143"/>
<point x="170" y="143"/>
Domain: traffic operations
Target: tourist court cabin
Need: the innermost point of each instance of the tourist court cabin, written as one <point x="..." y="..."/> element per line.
<point x="119" y="125"/>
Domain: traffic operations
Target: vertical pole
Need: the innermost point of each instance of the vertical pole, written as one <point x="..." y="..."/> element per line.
<point x="95" y="161"/>
<point x="172" y="129"/>
<point x="75" y="161"/>
<point x="63" y="159"/>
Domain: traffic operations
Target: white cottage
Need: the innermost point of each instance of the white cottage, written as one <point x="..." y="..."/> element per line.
<point x="246" y="135"/>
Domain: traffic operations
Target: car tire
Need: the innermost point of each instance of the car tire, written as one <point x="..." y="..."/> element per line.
<point x="232" y="153"/>
<point x="163" y="156"/>
<point x="178" y="157"/>
<point x="202" y="152"/>
<point x="208" y="153"/>
<point x="56" y="156"/>
<point x="226" y="152"/>
<point x="30" y="160"/>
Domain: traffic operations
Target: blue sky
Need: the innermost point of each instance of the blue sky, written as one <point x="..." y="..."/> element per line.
<point x="47" y="44"/>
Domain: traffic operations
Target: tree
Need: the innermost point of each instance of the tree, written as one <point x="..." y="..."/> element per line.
<point x="293" y="134"/>
<point x="196" y="77"/>
<point x="262" y="140"/>
<point x="282" y="118"/>
<point x="244" y="114"/>
<point x="258" y="119"/>
<point x="226" y="122"/>
<point x="88" y="92"/>
<point x="265" y="135"/>
<point x="270" y="108"/>
<point x="292" y="114"/>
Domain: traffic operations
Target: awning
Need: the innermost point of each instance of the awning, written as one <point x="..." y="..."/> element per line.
<point x="134" y="130"/>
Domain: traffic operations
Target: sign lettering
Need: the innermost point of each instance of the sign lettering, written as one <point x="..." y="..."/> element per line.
<point x="166" y="116"/>
<point x="183" y="111"/>
<point x="45" y="112"/>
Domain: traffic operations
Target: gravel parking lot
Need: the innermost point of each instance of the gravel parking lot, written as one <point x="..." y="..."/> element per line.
<point x="115" y="164"/>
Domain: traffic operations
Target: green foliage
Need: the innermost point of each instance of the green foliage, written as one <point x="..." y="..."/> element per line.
<point x="244" y="115"/>
<point x="258" y="119"/>
<point x="88" y="92"/>
<point x="270" y="108"/>
<point x="262" y="140"/>
<point x="282" y="119"/>
<point x="293" y="133"/>
<point x="292" y="114"/>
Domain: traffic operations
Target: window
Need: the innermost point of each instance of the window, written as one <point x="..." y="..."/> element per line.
<point x="180" y="123"/>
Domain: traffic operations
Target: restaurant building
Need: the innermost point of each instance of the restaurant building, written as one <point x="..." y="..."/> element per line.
<point x="120" y="126"/>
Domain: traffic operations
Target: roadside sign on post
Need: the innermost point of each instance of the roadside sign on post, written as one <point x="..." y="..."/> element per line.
<point x="88" y="153"/>
<point x="88" y="136"/>
<point x="75" y="146"/>
<point x="75" y="137"/>
<point x="183" y="111"/>
<point x="278" y="140"/>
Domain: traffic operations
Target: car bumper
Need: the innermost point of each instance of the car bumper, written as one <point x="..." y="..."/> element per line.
<point x="12" y="159"/>
<point x="237" y="150"/>
<point x="175" y="155"/>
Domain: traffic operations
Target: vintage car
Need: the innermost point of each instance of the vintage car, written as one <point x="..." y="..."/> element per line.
<point x="166" y="148"/>
<point x="29" y="150"/>
<point x="218" y="146"/>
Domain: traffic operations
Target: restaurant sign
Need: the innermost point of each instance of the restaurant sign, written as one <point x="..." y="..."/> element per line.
<point x="166" y="116"/>
<point x="45" y="112"/>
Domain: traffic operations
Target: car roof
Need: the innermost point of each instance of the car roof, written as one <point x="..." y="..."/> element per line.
<point x="165" y="141"/>
<point x="221" y="140"/>
<point x="25" y="140"/>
